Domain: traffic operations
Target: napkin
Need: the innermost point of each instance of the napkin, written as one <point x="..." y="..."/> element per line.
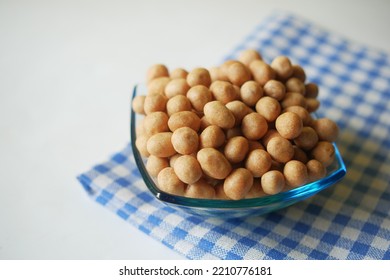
<point x="349" y="220"/>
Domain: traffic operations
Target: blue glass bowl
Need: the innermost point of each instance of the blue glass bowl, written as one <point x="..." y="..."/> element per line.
<point x="233" y="208"/>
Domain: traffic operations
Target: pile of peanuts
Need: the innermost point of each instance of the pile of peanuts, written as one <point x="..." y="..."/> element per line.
<point x="240" y="130"/>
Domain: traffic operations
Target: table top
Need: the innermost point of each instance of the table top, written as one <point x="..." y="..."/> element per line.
<point x="67" y="72"/>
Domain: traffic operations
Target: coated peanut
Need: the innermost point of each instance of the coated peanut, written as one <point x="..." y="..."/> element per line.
<point x="269" y="108"/>
<point x="184" y="119"/>
<point x="217" y="113"/>
<point x="251" y="92"/>
<point x="185" y="140"/>
<point x="214" y="163"/>
<point x="254" y="126"/>
<point x="238" y="183"/>
<point x="155" y="164"/>
<point x="160" y="145"/>
<point x="187" y="169"/>
<point x="289" y="125"/>
<point x="249" y="55"/>
<point x="236" y="149"/>
<point x="258" y="162"/>
<point x="223" y="91"/>
<point x="168" y="181"/>
<point x="238" y="73"/>
<point x="212" y="137"/>
<point x="199" y="96"/>
<point x="199" y="76"/>
<point x="295" y="173"/>
<point x="176" y="87"/>
<point x="316" y="170"/>
<point x="326" y="129"/>
<point x="200" y="189"/>
<point x="178" y="103"/>
<point x="280" y="149"/>
<point x="156" y="71"/>
<point x="272" y="182"/>
<point x="155" y="122"/>
<point x="261" y="72"/>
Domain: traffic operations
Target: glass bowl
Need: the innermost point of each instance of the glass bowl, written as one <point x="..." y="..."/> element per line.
<point x="233" y="208"/>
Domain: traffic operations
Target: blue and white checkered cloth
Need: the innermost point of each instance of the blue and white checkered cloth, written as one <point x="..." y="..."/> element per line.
<point x="347" y="221"/>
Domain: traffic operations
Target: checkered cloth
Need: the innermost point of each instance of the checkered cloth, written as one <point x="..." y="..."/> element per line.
<point x="347" y="221"/>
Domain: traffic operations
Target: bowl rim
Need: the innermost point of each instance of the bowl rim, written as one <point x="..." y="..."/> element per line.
<point x="301" y="192"/>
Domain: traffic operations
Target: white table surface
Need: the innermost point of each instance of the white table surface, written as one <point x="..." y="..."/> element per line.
<point x="66" y="72"/>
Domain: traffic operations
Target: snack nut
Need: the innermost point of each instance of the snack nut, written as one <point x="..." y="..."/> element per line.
<point x="238" y="130"/>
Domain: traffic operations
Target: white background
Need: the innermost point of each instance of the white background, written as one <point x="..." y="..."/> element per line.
<point x="66" y="72"/>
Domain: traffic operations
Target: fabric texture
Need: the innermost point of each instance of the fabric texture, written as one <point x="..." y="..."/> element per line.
<point x="349" y="220"/>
